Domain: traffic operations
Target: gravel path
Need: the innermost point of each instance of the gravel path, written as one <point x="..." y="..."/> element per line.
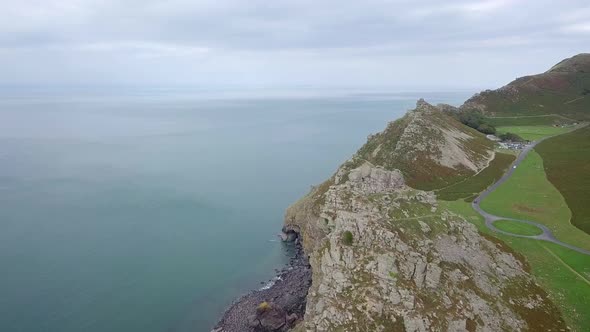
<point x="490" y="218"/>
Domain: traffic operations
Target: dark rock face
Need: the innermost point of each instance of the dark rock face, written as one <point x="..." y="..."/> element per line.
<point x="273" y="318"/>
<point x="290" y="233"/>
<point x="275" y="309"/>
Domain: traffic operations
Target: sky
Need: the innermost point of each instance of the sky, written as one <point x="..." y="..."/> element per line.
<point x="277" y="43"/>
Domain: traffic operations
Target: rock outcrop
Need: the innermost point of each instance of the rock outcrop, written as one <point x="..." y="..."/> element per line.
<point x="386" y="256"/>
<point x="429" y="147"/>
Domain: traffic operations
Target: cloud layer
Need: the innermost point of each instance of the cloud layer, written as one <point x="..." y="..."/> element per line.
<point x="394" y="43"/>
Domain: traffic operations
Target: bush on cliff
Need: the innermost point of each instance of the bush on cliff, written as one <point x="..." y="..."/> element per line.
<point x="347" y="238"/>
<point x="262" y="307"/>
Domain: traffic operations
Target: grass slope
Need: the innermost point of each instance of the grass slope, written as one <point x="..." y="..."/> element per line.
<point x="572" y="104"/>
<point x="470" y="187"/>
<point x="531" y="133"/>
<point x="567" y="164"/>
<point x="516" y="227"/>
<point x="564" y="89"/>
<point x="563" y="273"/>
<point x="529" y="195"/>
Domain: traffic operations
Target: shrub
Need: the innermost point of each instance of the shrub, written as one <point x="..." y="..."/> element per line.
<point x="475" y="120"/>
<point x="486" y="129"/>
<point x="262" y="307"/>
<point x="511" y="137"/>
<point x="347" y="238"/>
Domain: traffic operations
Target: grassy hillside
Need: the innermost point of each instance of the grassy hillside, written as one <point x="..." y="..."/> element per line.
<point x="567" y="163"/>
<point x="529" y="195"/>
<point x="563" y="273"/>
<point x="470" y="187"/>
<point x="564" y="90"/>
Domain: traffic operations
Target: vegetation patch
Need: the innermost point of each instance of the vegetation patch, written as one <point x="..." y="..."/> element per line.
<point x="475" y="120"/>
<point x="473" y="185"/>
<point x="511" y="137"/>
<point x="529" y="195"/>
<point x="567" y="163"/>
<point x="318" y="194"/>
<point x="563" y="273"/>
<point x="262" y="307"/>
<point x="347" y="238"/>
<point x="532" y="133"/>
<point x="542" y="316"/>
<point x="516" y="227"/>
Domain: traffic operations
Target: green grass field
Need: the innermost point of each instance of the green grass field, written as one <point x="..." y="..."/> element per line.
<point x="563" y="273"/>
<point x="516" y="227"/>
<point x="540" y="120"/>
<point x="531" y="133"/>
<point x="469" y="188"/>
<point x="529" y="195"/>
<point x="567" y="163"/>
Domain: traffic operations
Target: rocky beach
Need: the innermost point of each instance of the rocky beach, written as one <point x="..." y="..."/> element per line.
<point x="279" y="305"/>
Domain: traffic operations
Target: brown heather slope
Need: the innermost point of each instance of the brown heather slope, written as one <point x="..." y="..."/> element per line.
<point x="564" y="89"/>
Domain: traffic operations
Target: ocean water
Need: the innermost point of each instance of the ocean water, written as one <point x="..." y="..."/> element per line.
<point x="153" y="210"/>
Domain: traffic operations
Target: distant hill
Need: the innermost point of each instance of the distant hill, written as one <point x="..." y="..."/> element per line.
<point x="564" y="89"/>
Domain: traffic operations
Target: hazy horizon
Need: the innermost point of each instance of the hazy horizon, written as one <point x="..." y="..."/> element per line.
<point x="395" y="44"/>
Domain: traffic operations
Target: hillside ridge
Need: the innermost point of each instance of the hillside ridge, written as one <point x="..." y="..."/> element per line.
<point x="564" y="89"/>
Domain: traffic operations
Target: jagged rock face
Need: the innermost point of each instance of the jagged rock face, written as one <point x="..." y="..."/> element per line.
<point x="386" y="257"/>
<point x="411" y="266"/>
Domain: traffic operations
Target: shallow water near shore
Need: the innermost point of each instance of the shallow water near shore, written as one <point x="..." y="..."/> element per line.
<point x="154" y="210"/>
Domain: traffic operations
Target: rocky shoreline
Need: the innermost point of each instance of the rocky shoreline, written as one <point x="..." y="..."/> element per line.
<point x="278" y="307"/>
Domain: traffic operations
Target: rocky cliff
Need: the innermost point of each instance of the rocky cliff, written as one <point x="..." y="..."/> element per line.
<point x="385" y="256"/>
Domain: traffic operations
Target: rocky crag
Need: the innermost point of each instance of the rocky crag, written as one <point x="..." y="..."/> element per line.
<point x="386" y="256"/>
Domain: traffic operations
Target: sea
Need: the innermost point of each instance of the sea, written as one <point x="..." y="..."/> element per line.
<point x="152" y="209"/>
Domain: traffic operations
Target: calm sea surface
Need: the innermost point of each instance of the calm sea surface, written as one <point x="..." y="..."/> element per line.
<point x="151" y="211"/>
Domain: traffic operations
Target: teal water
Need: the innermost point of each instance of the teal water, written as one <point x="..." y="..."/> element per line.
<point x="152" y="211"/>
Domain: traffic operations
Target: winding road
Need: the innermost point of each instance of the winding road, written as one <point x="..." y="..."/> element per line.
<point x="490" y="218"/>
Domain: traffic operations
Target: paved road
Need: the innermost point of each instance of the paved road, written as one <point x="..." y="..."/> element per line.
<point x="490" y="218"/>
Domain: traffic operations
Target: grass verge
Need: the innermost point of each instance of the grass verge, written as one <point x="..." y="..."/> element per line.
<point x="563" y="273"/>
<point x="516" y="227"/>
<point x="529" y="195"/>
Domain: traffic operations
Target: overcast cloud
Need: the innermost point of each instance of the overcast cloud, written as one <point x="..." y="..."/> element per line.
<point x="397" y="43"/>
